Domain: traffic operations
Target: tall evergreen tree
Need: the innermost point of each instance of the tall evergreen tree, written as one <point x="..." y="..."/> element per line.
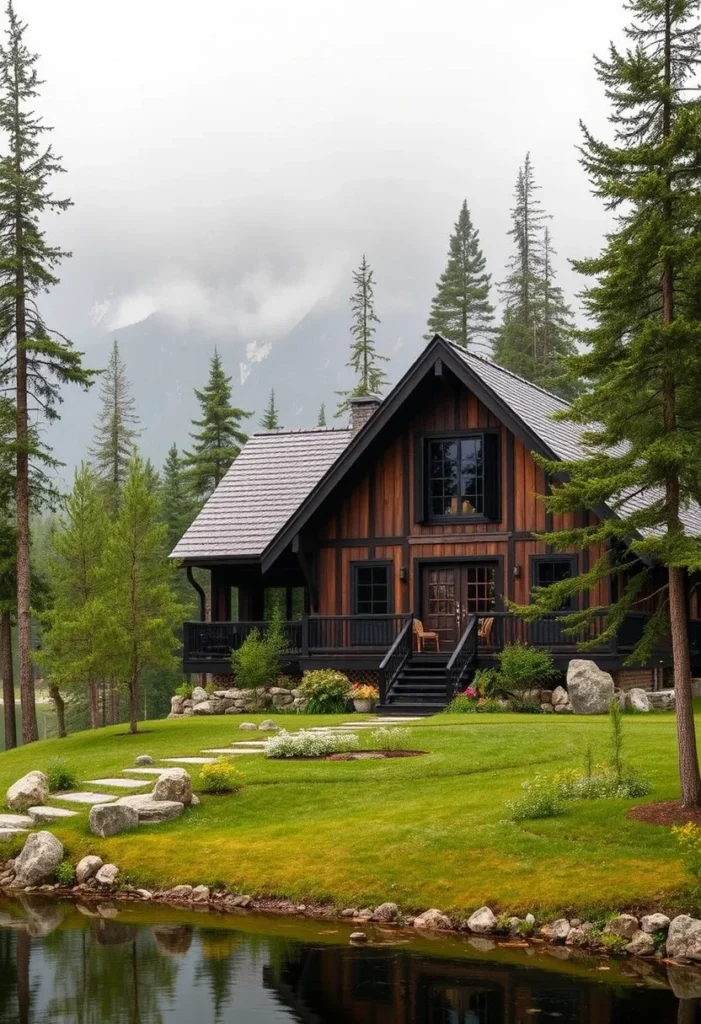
<point x="177" y="506"/>
<point x="321" y="418"/>
<point x="219" y="438"/>
<point x="460" y="309"/>
<point x="36" y="361"/>
<point x="8" y="562"/>
<point x="116" y="430"/>
<point x="364" y="358"/>
<point x="643" y="363"/>
<point x="271" y="418"/>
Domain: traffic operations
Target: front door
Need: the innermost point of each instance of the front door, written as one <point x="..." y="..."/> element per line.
<point x="451" y="593"/>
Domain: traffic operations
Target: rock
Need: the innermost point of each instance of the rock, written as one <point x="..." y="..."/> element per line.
<point x="173" y="784"/>
<point x="200" y="894"/>
<point x="641" y="944"/>
<point x="150" y="810"/>
<point x="199" y="694"/>
<point x="248" y="725"/>
<point x="349" y="912"/>
<point x="580" y="935"/>
<point x="31" y="790"/>
<point x="683" y="938"/>
<point x="204" y="708"/>
<point x="181" y="892"/>
<point x="111" y="819"/>
<point x="530" y="920"/>
<point x="87" y="868"/>
<point x="145" y="894"/>
<point x="556" y="931"/>
<point x="619" y="697"/>
<point x="590" y="690"/>
<point x="40" y="856"/>
<point x="283" y="700"/>
<point x="268" y="726"/>
<point x="144" y="759"/>
<point x="685" y="981"/>
<point x="107" y="875"/>
<point x="655" y="923"/>
<point x="386" y="912"/>
<point x="195" y="801"/>
<point x="514" y="925"/>
<point x="187" y="712"/>
<point x="562" y="709"/>
<point x="662" y="700"/>
<point x="482" y="922"/>
<point x="637" y="700"/>
<point x="547" y="708"/>
<point x="176" y="705"/>
<point x="560" y="696"/>
<point x="432" y="920"/>
<point x="624" y="925"/>
<point x="364" y="914"/>
<point x="358" y="937"/>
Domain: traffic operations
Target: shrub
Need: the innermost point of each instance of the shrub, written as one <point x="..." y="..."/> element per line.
<point x="689" y="838"/>
<point x="600" y="783"/>
<point x="461" y="705"/>
<point x="220" y="777"/>
<point x="326" y="691"/>
<point x="525" y="706"/>
<point x="389" y="739"/>
<point x="65" y="874"/>
<point x="491" y="706"/>
<point x="487" y="682"/>
<point x="59" y="776"/>
<point x="310" y="744"/>
<point x="184" y="690"/>
<point x="539" y="799"/>
<point x="613" y="943"/>
<point x="257" y="661"/>
<point x="522" y="667"/>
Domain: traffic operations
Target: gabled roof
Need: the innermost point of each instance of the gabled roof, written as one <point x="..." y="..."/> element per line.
<point x="267" y="483"/>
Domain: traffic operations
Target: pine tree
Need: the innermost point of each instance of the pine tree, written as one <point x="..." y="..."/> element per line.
<point x="116" y="430"/>
<point x="321" y="418"/>
<point x="177" y="506"/>
<point x="460" y="310"/>
<point x="8" y="562"/>
<point x="138" y="613"/>
<point x="364" y="359"/>
<point x="219" y="438"/>
<point x="271" y="419"/>
<point x="555" y="331"/>
<point x="643" y="363"/>
<point x="37" y="361"/>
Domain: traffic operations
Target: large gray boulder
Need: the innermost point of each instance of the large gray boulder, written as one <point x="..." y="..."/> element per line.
<point x="637" y="700"/>
<point x="482" y="922"/>
<point x="149" y="810"/>
<point x="32" y="789"/>
<point x="205" y="707"/>
<point x="655" y="923"/>
<point x="590" y="689"/>
<point x="40" y="856"/>
<point x="432" y="920"/>
<point x="684" y="938"/>
<point x="111" y="819"/>
<point x="625" y="925"/>
<point x="173" y="784"/>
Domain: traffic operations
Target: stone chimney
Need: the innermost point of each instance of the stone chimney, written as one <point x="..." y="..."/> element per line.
<point x="362" y="408"/>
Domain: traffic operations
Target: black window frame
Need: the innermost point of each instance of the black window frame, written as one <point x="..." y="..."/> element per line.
<point x="372" y="563"/>
<point x="571" y="560"/>
<point x="491" y="477"/>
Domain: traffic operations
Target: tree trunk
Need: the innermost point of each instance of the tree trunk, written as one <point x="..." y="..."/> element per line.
<point x="8" y="680"/>
<point x="689" y="776"/>
<point x="114" y="704"/>
<point x="134" y="702"/>
<point x="60" y="706"/>
<point x="94" y="704"/>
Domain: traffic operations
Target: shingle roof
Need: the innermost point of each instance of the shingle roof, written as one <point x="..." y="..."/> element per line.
<point x="269" y="480"/>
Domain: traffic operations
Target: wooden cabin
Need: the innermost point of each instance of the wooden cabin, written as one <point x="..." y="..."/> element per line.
<point x="391" y="546"/>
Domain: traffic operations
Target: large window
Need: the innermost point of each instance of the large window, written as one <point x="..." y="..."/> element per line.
<point x="371" y="589"/>
<point x="546" y="571"/>
<point x="461" y="477"/>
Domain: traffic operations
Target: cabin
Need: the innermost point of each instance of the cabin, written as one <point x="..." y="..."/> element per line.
<point x="392" y="546"/>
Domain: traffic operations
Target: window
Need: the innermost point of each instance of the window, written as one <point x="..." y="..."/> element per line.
<point x="461" y="475"/>
<point x="371" y="589"/>
<point x="547" y="571"/>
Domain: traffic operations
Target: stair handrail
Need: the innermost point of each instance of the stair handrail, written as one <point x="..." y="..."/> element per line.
<point x="396" y="658"/>
<point x="461" y="659"/>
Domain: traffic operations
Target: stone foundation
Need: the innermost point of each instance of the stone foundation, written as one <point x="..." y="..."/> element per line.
<point x="235" y="702"/>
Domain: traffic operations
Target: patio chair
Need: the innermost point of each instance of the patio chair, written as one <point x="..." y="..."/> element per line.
<point x="423" y="635"/>
<point x="485" y="630"/>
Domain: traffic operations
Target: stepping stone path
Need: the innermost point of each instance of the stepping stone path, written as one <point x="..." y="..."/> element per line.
<point x="15" y="821"/>
<point x="229" y="751"/>
<point x="145" y="771"/>
<point x="48" y="815"/>
<point x="12" y="833"/>
<point x="190" y="760"/>
<point x="118" y="783"/>
<point x="84" y="798"/>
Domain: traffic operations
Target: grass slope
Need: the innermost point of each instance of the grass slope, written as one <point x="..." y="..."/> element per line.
<point x="426" y="831"/>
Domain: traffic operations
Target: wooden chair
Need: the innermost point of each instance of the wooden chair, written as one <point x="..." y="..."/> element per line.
<point x="422" y="636"/>
<point x="484" y="632"/>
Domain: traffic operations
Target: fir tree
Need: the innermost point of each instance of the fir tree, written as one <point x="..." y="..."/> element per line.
<point x="219" y="438"/>
<point x="116" y="430"/>
<point x="460" y="310"/>
<point x="364" y="359"/>
<point x="36" y="361"/>
<point x="321" y="418"/>
<point x="271" y="419"/>
<point x="643" y="363"/>
<point x="176" y="499"/>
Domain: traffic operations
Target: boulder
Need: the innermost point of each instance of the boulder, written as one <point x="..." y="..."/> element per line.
<point x="562" y="709"/>
<point x="149" y="810"/>
<point x="87" y="868"/>
<point x="637" y="700"/>
<point x="358" y="937"/>
<point x="641" y="944"/>
<point x="40" y="856"/>
<point x="111" y="819"/>
<point x="180" y="892"/>
<point x="107" y="875"/>
<point x="655" y="923"/>
<point x="268" y="726"/>
<point x="547" y="708"/>
<point x="662" y="700"/>
<point x="590" y="690"/>
<point x="556" y="931"/>
<point x="684" y="938"/>
<point x="205" y="707"/>
<point x="144" y="759"/>
<point x="199" y="694"/>
<point x="624" y="925"/>
<point x="248" y="725"/>
<point x="580" y="935"/>
<point x="177" y="705"/>
<point x="283" y="700"/>
<point x="187" y="712"/>
<point x="200" y="894"/>
<point x="173" y="784"/>
<point x="386" y="912"/>
<point x="559" y="696"/>
<point x="32" y="789"/>
<point x="433" y="920"/>
<point x="482" y="922"/>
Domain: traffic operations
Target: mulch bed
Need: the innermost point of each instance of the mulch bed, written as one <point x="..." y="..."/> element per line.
<point x="665" y="812"/>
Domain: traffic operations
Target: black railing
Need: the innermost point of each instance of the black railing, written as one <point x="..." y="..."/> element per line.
<point x="215" y="641"/>
<point x="497" y="629"/>
<point x="326" y="633"/>
<point x="462" y="659"/>
<point x="396" y="658"/>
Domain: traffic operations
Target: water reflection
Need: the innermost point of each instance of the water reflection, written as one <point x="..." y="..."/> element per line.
<point x="105" y="965"/>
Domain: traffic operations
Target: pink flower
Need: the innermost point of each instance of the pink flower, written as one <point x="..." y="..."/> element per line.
<point x="469" y="692"/>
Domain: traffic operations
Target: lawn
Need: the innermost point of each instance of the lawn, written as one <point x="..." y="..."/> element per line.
<point x="425" y="831"/>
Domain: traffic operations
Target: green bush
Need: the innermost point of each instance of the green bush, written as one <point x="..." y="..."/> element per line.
<point x="539" y="799"/>
<point x="525" y="706"/>
<point x="461" y="705"/>
<point x="59" y="776"/>
<point x="325" y="691"/>
<point x="64" y="874"/>
<point x="389" y="739"/>
<point x="491" y="706"/>
<point x="184" y="690"/>
<point x="257" y="662"/>
<point x="220" y="777"/>
<point x="522" y="667"/>
<point x="487" y="682"/>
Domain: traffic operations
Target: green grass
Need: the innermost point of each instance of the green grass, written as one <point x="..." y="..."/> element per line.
<point x="425" y="831"/>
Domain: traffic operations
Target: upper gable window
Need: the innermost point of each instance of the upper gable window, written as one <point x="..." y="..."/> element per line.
<point x="461" y="476"/>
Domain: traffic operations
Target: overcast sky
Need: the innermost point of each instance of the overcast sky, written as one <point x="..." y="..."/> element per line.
<point x="230" y="161"/>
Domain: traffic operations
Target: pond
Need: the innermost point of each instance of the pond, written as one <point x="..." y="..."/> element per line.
<point x="107" y="964"/>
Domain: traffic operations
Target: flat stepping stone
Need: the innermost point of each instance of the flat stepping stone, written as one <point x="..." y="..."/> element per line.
<point x="12" y="833"/>
<point x="153" y="811"/>
<point x="144" y="771"/>
<point x="84" y="798"/>
<point x="15" y="821"/>
<point x="46" y="815"/>
<point x="189" y="760"/>
<point x="227" y="751"/>
<point x="118" y="783"/>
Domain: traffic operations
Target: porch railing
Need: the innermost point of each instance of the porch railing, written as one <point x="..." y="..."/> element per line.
<point x="328" y="633"/>
<point x="496" y="629"/>
<point x="462" y="658"/>
<point x="215" y="641"/>
<point x="396" y="658"/>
